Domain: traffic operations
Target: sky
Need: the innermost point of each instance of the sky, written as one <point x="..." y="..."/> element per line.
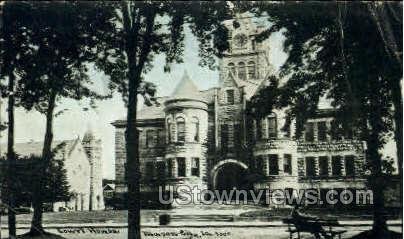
<point x="30" y="126"/>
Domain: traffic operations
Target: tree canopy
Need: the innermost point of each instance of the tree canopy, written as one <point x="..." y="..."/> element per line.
<point x="348" y="53"/>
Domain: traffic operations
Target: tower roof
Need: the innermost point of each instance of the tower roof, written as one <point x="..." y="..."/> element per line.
<point x="88" y="135"/>
<point x="186" y="88"/>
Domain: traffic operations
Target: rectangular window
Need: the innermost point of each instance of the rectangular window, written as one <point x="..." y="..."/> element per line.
<point x="224" y="136"/>
<point x="170" y="168"/>
<point x="349" y="133"/>
<point x="149" y="138"/>
<point x="260" y="164"/>
<point x="161" y="168"/>
<point x="169" y="131"/>
<point x="161" y="138"/>
<point x="230" y="96"/>
<point x="195" y="167"/>
<point x="287" y="164"/>
<point x="350" y="165"/>
<point x="310" y="167"/>
<point x="149" y="170"/>
<point x="322" y="131"/>
<point x="272" y="131"/>
<point x="336" y="165"/>
<point x="181" y="167"/>
<point x="251" y="71"/>
<point x="309" y="132"/>
<point x="259" y="129"/>
<point x="273" y="164"/>
<point x="323" y="165"/>
<point x="336" y="131"/>
<point x="195" y="129"/>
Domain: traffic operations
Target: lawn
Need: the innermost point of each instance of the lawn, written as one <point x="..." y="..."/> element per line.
<point x="340" y="213"/>
<point x="83" y="217"/>
<point x="253" y="213"/>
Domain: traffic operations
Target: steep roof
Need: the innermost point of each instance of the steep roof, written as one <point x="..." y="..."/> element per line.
<point x="155" y="111"/>
<point x="186" y="89"/>
<point x="35" y="148"/>
<point x="89" y="135"/>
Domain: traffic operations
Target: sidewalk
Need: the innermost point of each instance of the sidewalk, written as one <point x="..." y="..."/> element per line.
<point x="174" y="224"/>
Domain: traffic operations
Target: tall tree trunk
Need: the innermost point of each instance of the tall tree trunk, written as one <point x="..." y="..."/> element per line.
<point x="376" y="184"/>
<point x="132" y="170"/>
<point x="377" y="180"/>
<point x="11" y="157"/>
<point x="36" y="225"/>
<point x="132" y="149"/>
<point x="136" y="61"/>
<point x="132" y="145"/>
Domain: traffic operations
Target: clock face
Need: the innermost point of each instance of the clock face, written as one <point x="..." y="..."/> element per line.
<point x="240" y="40"/>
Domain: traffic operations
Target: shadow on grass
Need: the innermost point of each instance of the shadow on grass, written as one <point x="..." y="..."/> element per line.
<point x="45" y="235"/>
<point x="378" y="235"/>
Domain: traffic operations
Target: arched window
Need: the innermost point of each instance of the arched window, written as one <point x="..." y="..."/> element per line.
<point x="232" y="68"/>
<point x="170" y="130"/>
<point x="180" y="129"/>
<point x="195" y="129"/>
<point x="241" y="71"/>
<point x="272" y="126"/>
<point x="251" y="70"/>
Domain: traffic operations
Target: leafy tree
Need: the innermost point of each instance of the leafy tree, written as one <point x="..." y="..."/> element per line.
<point x="13" y="51"/>
<point x="56" y="184"/>
<point x="343" y="51"/>
<point x="141" y="31"/>
<point x="28" y="167"/>
<point x="63" y="45"/>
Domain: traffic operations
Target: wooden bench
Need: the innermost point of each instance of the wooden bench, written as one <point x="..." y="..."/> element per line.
<point x="298" y="226"/>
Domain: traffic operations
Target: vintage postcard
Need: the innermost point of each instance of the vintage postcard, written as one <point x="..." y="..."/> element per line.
<point x="203" y="120"/>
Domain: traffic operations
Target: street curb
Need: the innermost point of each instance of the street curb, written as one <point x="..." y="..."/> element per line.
<point x="199" y="225"/>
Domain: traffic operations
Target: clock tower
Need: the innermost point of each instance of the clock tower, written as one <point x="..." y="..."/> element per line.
<point x="247" y="59"/>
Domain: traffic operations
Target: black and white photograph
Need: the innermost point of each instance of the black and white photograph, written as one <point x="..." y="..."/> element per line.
<point x="201" y="119"/>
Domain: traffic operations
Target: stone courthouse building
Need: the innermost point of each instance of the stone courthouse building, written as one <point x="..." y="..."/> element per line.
<point x="206" y="138"/>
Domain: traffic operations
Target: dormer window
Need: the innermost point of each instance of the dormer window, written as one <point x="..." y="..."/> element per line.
<point x="230" y="96"/>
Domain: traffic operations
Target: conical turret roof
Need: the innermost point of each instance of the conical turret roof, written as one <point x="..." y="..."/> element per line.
<point x="186" y="89"/>
<point x="89" y="135"/>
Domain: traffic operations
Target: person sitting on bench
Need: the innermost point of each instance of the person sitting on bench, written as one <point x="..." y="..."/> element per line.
<point x="308" y="222"/>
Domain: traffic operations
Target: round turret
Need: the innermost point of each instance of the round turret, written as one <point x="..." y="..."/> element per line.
<point x="186" y="119"/>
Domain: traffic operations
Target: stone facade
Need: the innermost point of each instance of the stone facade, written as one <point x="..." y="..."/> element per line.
<point x="92" y="148"/>
<point x="196" y="137"/>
